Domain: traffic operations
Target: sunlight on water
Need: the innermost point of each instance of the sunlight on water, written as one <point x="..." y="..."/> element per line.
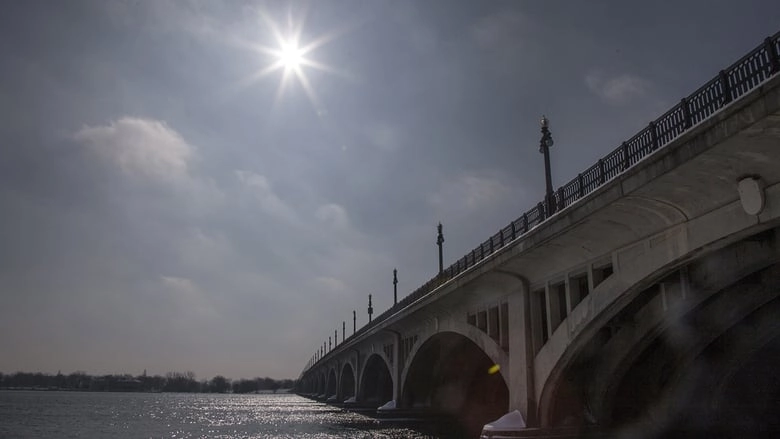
<point x="183" y="416"/>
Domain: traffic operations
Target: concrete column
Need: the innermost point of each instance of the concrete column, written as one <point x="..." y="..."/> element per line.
<point x="520" y="374"/>
<point x="357" y="375"/>
<point x="548" y="306"/>
<point x="397" y="368"/>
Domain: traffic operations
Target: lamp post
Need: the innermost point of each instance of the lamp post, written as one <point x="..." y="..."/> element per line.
<point x="544" y="147"/>
<point x="370" y="309"/>
<point x="354" y="322"/>
<point x="439" y="242"/>
<point x="395" y="286"/>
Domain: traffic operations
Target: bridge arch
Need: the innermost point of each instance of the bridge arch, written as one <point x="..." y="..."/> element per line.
<point x="347" y="384"/>
<point x="486" y="344"/>
<point x="332" y="385"/>
<point x="322" y="385"/>
<point x="719" y="376"/>
<point x="376" y="381"/>
<point x="450" y="373"/>
<point x="645" y="355"/>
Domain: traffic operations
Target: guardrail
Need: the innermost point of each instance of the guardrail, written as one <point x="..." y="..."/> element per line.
<point x="731" y="83"/>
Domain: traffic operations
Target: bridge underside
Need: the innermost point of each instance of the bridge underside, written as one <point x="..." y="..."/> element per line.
<point x="346" y="383"/>
<point x="450" y="374"/>
<point x="696" y="352"/>
<point x="377" y="384"/>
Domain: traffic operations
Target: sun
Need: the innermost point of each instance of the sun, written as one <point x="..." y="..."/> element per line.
<point x="290" y="57"/>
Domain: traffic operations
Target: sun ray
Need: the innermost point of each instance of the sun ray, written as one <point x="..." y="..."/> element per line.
<point x="289" y="55"/>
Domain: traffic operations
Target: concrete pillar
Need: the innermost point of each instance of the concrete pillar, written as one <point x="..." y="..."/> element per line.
<point x="520" y="374"/>
<point x="548" y="306"/>
<point x="357" y="370"/>
<point x="397" y="368"/>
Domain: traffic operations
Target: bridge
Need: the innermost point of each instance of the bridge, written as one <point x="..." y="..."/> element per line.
<point x="646" y="302"/>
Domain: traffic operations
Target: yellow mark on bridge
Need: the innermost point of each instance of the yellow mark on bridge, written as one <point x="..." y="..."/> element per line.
<point x="494" y="369"/>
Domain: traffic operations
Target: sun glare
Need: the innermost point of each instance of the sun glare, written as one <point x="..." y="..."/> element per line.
<point x="291" y="57"/>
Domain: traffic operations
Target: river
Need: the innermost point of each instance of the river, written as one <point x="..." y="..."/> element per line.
<point x="52" y="414"/>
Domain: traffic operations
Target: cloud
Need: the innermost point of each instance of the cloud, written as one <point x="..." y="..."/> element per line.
<point x="265" y="195"/>
<point x="330" y="284"/>
<point x="617" y="90"/>
<point x="333" y="215"/>
<point x="383" y="136"/>
<point x="497" y="30"/>
<point x="178" y="284"/>
<point x="187" y="297"/>
<point x="471" y="191"/>
<point x="509" y="39"/>
<point x="142" y="148"/>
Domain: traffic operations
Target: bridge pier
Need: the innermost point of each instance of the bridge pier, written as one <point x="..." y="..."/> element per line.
<point x="521" y="368"/>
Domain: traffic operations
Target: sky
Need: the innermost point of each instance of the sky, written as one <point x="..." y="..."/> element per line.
<point x="174" y="199"/>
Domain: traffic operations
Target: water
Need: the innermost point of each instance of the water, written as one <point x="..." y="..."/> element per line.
<point x="30" y="414"/>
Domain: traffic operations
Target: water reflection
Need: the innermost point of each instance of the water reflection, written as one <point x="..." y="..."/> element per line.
<point x="189" y="416"/>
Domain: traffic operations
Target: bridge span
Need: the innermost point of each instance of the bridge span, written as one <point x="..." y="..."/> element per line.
<point x="649" y="302"/>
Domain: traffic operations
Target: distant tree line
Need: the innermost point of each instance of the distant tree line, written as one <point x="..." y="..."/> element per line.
<point x="171" y="382"/>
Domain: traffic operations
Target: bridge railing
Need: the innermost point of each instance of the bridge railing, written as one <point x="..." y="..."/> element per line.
<point x="731" y="83"/>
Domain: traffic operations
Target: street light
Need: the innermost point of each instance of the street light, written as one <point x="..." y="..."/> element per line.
<point x="439" y="242"/>
<point x="544" y="147"/>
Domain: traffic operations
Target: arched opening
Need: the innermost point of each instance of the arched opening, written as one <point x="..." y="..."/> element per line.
<point x="346" y="383"/>
<point x="321" y="384"/>
<point x="376" y="386"/>
<point x="332" y="385"/>
<point x="628" y="371"/>
<point x="749" y="404"/>
<point x="452" y="375"/>
<point x="713" y="375"/>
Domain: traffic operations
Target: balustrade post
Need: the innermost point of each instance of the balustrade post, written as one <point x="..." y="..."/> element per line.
<point x="559" y="195"/>
<point x="653" y="135"/>
<point x="686" y="113"/>
<point x="771" y="53"/>
<point x="602" y="174"/>
<point x="491" y="245"/>
<point x="725" y="86"/>
<point x="626" y="160"/>
<point x="581" y="184"/>
<point x="542" y="211"/>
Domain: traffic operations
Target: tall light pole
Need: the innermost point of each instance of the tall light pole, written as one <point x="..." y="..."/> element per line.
<point x="439" y="242"/>
<point x="395" y="286"/>
<point x="544" y="147"/>
<point x="370" y="309"/>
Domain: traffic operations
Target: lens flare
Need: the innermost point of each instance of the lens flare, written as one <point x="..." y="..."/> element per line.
<point x="494" y="369"/>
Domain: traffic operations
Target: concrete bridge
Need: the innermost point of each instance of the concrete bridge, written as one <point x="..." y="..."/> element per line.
<point x="649" y="302"/>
